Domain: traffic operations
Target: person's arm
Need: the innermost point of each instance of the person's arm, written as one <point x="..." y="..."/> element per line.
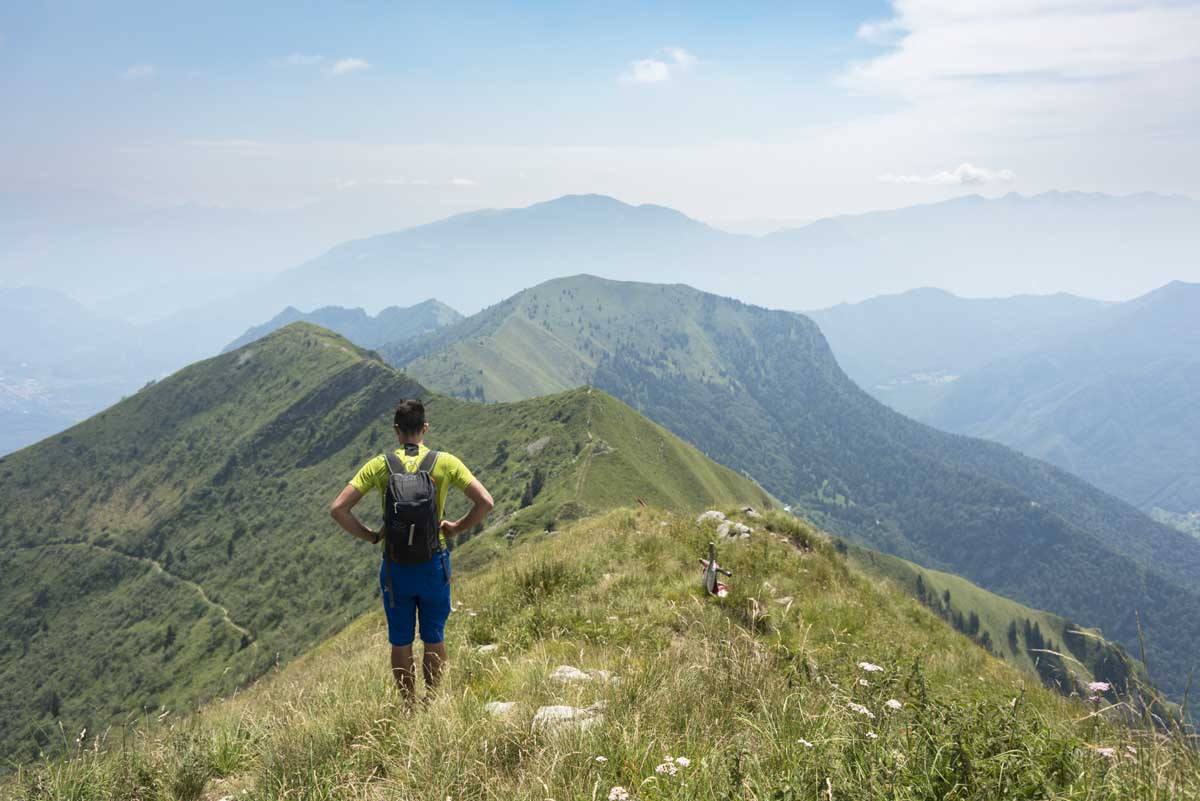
<point x="340" y="511"/>
<point x="482" y="504"/>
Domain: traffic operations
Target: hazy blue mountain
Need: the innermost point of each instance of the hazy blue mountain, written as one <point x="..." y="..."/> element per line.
<point x="908" y="349"/>
<point x="970" y="246"/>
<point x="760" y="390"/>
<point x="393" y="324"/>
<point x="1115" y="401"/>
<point x="61" y="362"/>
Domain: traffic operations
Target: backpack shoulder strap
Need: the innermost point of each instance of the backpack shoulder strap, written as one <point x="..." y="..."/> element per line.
<point x="426" y="465"/>
<point x="393" y="462"/>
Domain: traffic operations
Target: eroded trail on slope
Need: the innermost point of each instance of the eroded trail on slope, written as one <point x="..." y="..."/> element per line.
<point x="157" y="567"/>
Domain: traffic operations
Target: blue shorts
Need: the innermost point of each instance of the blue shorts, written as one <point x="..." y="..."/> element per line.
<point x="422" y="589"/>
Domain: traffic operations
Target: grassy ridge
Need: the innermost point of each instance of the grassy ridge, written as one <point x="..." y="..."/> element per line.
<point x="759" y="390"/>
<point x="763" y="693"/>
<point x="182" y="536"/>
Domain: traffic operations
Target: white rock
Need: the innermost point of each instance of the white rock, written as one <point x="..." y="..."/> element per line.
<point x="750" y="511"/>
<point x="569" y="675"/>
<point x="560" y="719"/>
<point x="500" y="709"/>
<point x="604" y="676"/>
<point x="711" y="514"/>
<point x="733" y="530"/>
<point x="490" y="648"/>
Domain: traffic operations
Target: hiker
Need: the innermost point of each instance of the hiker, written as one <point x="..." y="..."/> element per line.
<point x="415" y="574"/>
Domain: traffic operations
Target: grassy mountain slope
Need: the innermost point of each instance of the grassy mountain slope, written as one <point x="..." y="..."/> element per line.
<point x="759" y="390"/>
<point x="1114" y="402"/>
<point x="1065" y="656"/>
<point x="761" y="693"/>
<point x="908" y="349"/>
<point x="393" y="324"/>
<point x="178" y="543"/>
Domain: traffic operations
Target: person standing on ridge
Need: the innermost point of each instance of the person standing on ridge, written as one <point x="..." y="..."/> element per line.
<point x="415" y="573"/>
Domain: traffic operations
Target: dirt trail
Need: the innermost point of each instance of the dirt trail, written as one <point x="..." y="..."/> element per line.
<point x="157" y="568"/>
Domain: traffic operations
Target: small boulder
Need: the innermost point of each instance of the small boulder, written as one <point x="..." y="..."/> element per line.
<point x="569" y="675"/>
<point x="562" y="719"/>
<point x="490" y="648"/>
<point x="732" y="530"/>
<point x="713" y="515"/>
<point x="500" y="709"/>
<point x="750" y="511"/>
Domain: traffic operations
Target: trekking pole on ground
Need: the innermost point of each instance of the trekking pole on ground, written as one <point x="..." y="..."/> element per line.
<point x="711" y="585"/>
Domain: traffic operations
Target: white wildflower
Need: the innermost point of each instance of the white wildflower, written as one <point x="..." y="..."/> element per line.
<point x="1098" y="687"/>
<point x="860" y="709"/>
<point x="666" y="769"/>
<point x="683" y="762"/>
<point x="872" y="735"/>
<point x="805" y="743"/>
<point x="892" y="703"/>
<point x="864" y="683"/>
<point x="601" y="759"/>
<point x="618" y="794"/>
<point x="870" y="668"/>
<point x="1106" y="752"/>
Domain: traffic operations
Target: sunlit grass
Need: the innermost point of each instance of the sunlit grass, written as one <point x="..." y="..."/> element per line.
<point x="760" y="693"/>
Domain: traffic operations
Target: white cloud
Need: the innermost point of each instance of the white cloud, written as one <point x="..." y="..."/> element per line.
<point x="139" y="71"/>
<point x="463" y="182"/>
<point x="659" y="70"/>
<point x="345" y="66"/>
<point x="1044" y="66"/>
<point x="963" y="175"/>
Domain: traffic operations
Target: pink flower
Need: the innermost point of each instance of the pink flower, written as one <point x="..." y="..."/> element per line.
<point x="1098" y="687"/>
<point x="893" y="704"/>
<point x="618" y="794"/>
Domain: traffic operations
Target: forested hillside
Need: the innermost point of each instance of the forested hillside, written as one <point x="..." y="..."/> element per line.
<point x="760" y="390"/>
<point x="178" y="544"/>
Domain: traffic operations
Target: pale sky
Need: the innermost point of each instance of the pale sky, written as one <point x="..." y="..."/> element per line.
<point x="724" y="111"/>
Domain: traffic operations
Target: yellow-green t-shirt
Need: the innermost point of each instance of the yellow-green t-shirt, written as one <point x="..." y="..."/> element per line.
<point x="448" y="471"/>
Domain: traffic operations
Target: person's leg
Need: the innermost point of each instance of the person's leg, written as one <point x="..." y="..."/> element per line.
<point x="434" y="607"/>
<point x="401" y="612"/>
<point x="402" y="670"/>
<point x="431" y="664"/>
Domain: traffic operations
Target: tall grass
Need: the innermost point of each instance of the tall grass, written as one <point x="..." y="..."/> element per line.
<point x="761" y="694"/>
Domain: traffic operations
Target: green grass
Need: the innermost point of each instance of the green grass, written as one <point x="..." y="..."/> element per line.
<point x="182" y="537"/>
<point x="739" y="686"/>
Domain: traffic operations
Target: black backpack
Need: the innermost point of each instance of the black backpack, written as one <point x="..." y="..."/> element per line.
<point x="411" y="527"/>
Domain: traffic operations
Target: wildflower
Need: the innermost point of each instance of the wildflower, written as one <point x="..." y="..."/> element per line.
<point x="872" y="735"/>
<point x="870" y="668"/>
<point x="860" y="709"/>
<point x="618" y="794"/>
<point x="893" y="704"/>
<point x="601" y="759"/>
<point x="666" y="769"/>
<point x="683" y="762"/>
<point x="805" y="743"/>
<point x="1098" y="687"/>
<point x="1107" y="753"/>
<point x="864" y="683"/>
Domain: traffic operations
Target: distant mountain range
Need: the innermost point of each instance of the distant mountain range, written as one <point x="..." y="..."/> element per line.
<point x="393" y="324"/>
<point x="60" y="362"/>
<point x="969" y="245"/>
<point x="1106" y="391"/>
<point x="193" y="518"/>
<point x="760" y="390"/>
<point x="908" y="349"/>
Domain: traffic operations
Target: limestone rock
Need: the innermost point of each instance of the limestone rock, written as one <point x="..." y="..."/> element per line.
<point x="561" y="719"/>
<point x="500" y="709"/>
